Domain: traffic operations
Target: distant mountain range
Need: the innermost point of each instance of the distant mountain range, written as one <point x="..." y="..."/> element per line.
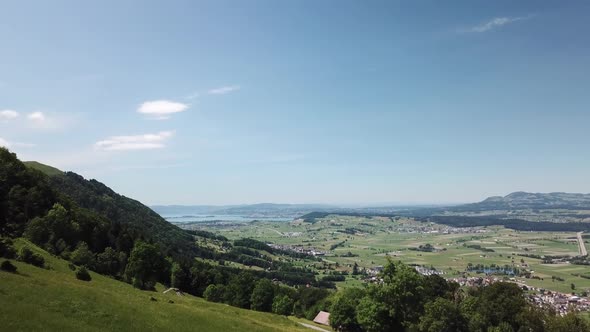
<point x="524" y="200"/>
<point x="514" y="201"/>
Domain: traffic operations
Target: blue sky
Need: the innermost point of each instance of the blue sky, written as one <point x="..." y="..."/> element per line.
<point x="344" y="102"/>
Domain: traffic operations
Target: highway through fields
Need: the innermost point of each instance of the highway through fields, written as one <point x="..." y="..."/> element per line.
<point x="583" y="251"/>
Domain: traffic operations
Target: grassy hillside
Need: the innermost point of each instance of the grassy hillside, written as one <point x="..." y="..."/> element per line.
<point x="37" y="299"/>
<point x="48" y="170"/>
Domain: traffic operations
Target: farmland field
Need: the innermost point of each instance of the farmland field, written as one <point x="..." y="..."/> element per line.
<point x="343" y="241"/>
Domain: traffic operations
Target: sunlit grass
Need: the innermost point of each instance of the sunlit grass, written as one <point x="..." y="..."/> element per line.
<point x="37" y="299"/>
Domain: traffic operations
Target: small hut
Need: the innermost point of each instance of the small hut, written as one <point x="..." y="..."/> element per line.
<point x="322" y="318"/>
<point x="175" y="290"/>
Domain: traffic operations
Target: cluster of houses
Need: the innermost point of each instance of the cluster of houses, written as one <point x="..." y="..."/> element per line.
<point x="439" y="229"/>
<point x="426" y="271"/>
<point x="562" y="303"/>
<point x="372" y="273"/>
<point x="311" y="251"/>
<point x="476" y="281"/>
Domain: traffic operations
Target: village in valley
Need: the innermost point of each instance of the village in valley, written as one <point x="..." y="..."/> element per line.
<point x="352" y="250"/>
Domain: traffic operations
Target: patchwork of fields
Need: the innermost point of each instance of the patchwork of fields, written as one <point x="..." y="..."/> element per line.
<point x="370" y="241"/>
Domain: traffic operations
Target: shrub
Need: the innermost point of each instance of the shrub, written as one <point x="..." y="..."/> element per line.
<point x="6" y="249"/>
<point x="82" y="274"/>
<point x="82" y="255"/>
<point x="26" y="255"/>
<point x="137" y="283"/>
<point x="8" y="267"/>
<point x="214" y="293"/>
<point x="149" y="285"/>
<point x="282" y="305"/>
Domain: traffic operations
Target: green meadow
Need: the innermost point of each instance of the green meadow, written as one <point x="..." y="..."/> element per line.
<point x="37" y="299"/>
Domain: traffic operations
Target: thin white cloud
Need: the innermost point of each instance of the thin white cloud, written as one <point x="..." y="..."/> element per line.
<point x="224" y="90"/>
<point x="8" y="114"/>
<point x="136" y="167"/>
<point x="8" y="144"/>
<point x="134" y="142"/>
<point x="278" y="159"/>
<point x="36" y="116"/>
<point x="194" y="95"/>
<point x="23" y="145"/>
<point x="161" y="109"/>
<point x="4" y="143"/>
<point x="42" y="120"/>
<point x="496" y="22"/>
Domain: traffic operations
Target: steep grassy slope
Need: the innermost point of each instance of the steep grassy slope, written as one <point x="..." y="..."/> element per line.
<point x="48" y="170"/>
<point x="38" y="299"/>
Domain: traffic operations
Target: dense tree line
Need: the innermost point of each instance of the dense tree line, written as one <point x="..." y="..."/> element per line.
<point x="516" y="224"/>
<point x="254" y="244"/>
<point x="206" y="235"/>
<point x="249" y="289"/>
<point x="138" y="220"/>
<point x="258" y="245"/>
<point x="24" y="194"/>
<point x="427" y="215"/>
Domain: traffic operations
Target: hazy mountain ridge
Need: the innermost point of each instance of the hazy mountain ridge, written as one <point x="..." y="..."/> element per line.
<point x="526" y="200"/>
<point x="514" y="201"/>
<point x="262" y="209"/>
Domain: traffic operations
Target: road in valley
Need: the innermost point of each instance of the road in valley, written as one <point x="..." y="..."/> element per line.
<point x="583" y="251"/>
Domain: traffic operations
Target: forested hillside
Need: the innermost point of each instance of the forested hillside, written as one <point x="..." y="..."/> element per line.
<point x="138" y="220"/>
<point x="87" y="223"/>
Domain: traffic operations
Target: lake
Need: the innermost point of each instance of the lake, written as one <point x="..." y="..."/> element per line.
<point x="221" y="217"/>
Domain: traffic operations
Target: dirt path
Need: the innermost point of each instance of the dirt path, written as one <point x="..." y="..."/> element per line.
<point x="274" y="230"/>
<point x="309" y="326"/>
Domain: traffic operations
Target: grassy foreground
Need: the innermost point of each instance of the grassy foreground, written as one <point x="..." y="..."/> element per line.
<point x="36" y="299"/>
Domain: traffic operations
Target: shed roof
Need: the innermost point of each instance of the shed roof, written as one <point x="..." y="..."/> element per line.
<point x="322" y="318"/>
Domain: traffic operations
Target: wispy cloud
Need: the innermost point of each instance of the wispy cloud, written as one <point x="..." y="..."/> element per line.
<point x="278" y="159"/>
<point x="38" y="119"/>
<point x="161" y="109"/>
<point x="135" y="142"/>
<point x="4" y="143"/>
<point x="496" y="22"/>
<point x="8" y="114"/>
<point x="194" y="95"/>
<point x="224" y="90"/>
<point x="50" y="121"/>
<point x="138" y="167"/>
<point x="8" y="144"/>
<point x="36" y="116"/>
